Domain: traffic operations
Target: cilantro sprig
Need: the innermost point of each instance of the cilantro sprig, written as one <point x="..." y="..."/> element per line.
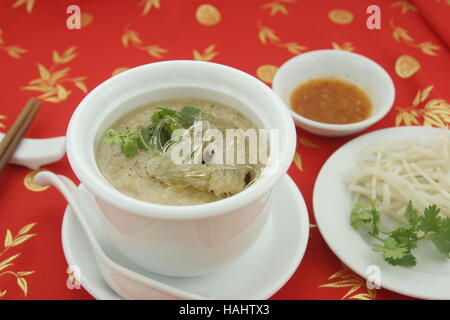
<point x="156" y="134"/>
<point x="397" y="245"/>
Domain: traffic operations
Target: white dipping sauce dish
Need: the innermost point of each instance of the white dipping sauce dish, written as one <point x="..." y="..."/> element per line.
<point x="351" y="67"/>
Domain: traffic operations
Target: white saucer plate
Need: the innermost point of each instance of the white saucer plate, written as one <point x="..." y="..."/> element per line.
<point x="258" y="274"/>
<point x="429" y="279"/>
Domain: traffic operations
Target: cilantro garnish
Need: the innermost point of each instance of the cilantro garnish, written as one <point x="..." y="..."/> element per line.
<point x="396" y="245"/>
<point x="156" y="134"/>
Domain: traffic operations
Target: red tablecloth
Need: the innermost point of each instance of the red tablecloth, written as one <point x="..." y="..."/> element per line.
<point x="41" y="57"/>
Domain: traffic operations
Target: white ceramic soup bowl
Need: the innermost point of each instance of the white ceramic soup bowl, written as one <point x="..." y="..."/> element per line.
<point x="180" y="240"/>
<point x="355" y="68"/>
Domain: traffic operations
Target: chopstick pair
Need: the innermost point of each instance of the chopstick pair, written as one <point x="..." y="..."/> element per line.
<point x="12" y="139"/>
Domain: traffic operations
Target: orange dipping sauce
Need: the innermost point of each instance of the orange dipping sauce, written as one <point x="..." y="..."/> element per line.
<point x="331" y="101"/>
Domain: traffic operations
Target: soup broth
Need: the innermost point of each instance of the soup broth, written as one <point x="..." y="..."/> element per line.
<point x="134" y="175"/>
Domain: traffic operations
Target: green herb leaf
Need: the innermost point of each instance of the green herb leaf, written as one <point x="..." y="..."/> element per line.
<point x="441" y="240"/>
<point x="396" y="245"/>
<point x="408" y="237"/>
<point x="155" y="135"/>
<point x="408" y="260"/>
<point x="163" y="112"/>
<point x="360" y="215"/>
<point x="430" y="221"/>
<point x="411" y="215"/>
<point x="187" y="115"/>
<point x="126" y="139"/>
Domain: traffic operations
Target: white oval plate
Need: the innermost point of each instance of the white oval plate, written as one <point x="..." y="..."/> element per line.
<point x="258" y="274"/>
<point x="429" y="279"/>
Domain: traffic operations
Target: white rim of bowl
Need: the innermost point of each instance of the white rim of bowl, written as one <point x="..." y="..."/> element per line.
<point x="114" y="197"/>
<point x="338" y="127"/>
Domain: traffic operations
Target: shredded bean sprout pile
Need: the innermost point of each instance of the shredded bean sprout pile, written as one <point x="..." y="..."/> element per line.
<point x="395" y="172"/>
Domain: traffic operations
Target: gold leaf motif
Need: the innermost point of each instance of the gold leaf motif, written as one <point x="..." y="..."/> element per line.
<point x="6" y="266"/>
<point x="10" y="242"/>
<point x="30" y="184"/>
<point x="155" y="51"/>
<point x="119" y="70"/>
<point x="340" y="16"/>
<point x="207" y="15"/>
<point x="2" y="117"/>
<point x="8" y="260"/>
<point x="51" y="81"/>
<point x="22" y="239"/>
<point x="14" y="51"/>
<point x="297" y="157"/>
<point x="207" y="55"/>
<point x="406" y="66"/>
<point x="307" y="143"/>
<point x="405" y="6"/>
<point x="8" y="239"/>
<point x="402" y="35"/>
<point x="294" y="47"/>
<point x="298" y="161"/>
<point x="346" y="46"/>
<point x="80" y="85"/>
<point x="132" y="38"/>
<point x="26" y="228"/>
<point x="24" y="273"/>
<point x="425" y="93"/>
<point x="436" y="112"/>
<point x="428" y="48"/>
<point x="28" y="4"/>
<point x="267" y="35"/>
<point x="348" y="279"/>
<point x="67" y="56"/>
<point x="266" y="72"/>
<point x="148" y="5"/>
<point x="23" y="284"/>
<point x="277" y="6"/>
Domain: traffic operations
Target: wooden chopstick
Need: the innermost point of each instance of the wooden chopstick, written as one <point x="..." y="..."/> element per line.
<point x="12" y="139"/>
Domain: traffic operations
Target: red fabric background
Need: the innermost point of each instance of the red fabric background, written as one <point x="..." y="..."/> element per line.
<point x="40" y="28"/>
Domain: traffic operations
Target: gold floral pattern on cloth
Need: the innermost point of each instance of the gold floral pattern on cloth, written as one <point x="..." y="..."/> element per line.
<point x="277" y="6"/>
<point x="405" y="6"/>
<point x="266" y="72"/>
<point x="86" y="19"/>
<point x="297" y="157"/>
<point x="346" y="46"/>
<point x="148" y="5"/>
<point x="29" y="183"/>
<point x="132" y="38"/>
<point x="340" y="16"/>
<point x="406" y="66"/>
<point x="6" y="264"/>
<point x="52" y="80"/>
<point x="2" y="117"/>
<point x="207" y="55"/>
<point x="268" y="36"/>
<point x="119" y="70"/>
<point x="208" y="15"/>
<point x="346" y="278"/>
<point x="28" y="4"/>
<point x="402" y="35"/>
<point x="14" y="51"/>
<point x="434" y="113"/>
